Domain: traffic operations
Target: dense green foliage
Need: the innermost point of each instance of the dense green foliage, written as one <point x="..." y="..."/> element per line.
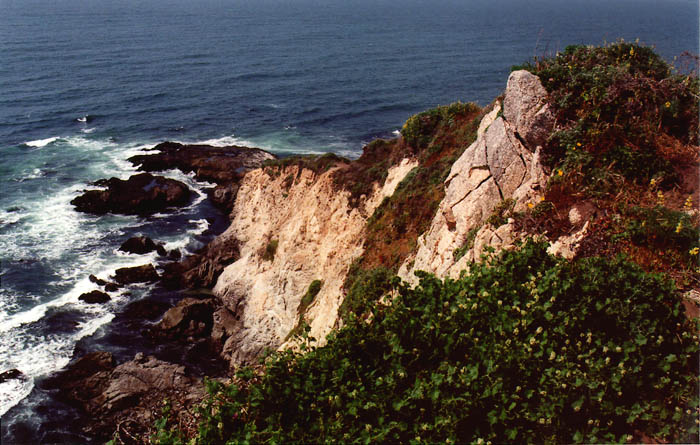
<point x="613" y="103"/>
<point x="525" y="348"/>
<point x="419" y="129"/>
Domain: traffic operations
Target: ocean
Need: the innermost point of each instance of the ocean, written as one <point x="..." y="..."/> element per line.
<point x="84" y="84"/>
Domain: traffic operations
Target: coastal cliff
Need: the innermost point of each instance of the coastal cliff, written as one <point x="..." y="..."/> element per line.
<point x="481" y="244"/>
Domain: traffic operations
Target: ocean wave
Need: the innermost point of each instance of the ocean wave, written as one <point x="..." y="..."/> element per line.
<point x="39" y="143"/>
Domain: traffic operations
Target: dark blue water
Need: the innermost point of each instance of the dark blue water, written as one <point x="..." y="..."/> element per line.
<point x="86" y="83"/>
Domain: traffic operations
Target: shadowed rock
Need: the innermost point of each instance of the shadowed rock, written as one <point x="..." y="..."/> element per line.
<point x="140" y="245"/>
<point x="94" y="297"/>
<point x="12" y="374"/>
<point x="142" y="194"/>
<point x="138" y="274"/>
<point x="224" y="166"/>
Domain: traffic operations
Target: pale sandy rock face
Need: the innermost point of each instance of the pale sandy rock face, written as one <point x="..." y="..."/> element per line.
<point x="495" y="167"/>
<point x="318" y="236"/>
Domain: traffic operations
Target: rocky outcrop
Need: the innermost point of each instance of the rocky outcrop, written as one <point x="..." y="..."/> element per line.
<point x="137" y="274"/>
<point x="290" y="233"/>
<point x="203" y="268"/>
<point x="142" y="194"/>
<point x="12" y="374"/>
<point x="141" y="245"/>
<point x="503" y="163"/>
<point x="191" y="317"/>
<point x="129" y="394"/>
<point x="94" y="297"/>
<point x="224" y="166"/>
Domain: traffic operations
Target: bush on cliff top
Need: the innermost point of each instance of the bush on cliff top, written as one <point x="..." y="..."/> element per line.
<point x="617" y="106"/>
<point x="524" y="348"/>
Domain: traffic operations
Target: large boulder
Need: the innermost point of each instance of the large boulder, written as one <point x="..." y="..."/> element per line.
<point x="140" y="245"/>
<point x="12" y="374"/>
<point x="141" y="194"/>
<point x="94" y="297"/>
<point x="191" y="317"/>
<point x="137" y="274"/>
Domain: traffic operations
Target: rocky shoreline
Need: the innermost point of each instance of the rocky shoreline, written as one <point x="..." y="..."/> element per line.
<point x="128" y="397"/>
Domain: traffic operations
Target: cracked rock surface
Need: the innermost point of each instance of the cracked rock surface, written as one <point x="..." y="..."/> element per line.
<point x="503" y="162"/>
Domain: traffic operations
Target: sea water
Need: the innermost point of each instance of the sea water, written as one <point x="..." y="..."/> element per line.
<point x="86" y="84"/>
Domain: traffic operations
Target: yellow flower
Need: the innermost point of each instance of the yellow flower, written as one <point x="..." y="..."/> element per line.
<point x="679" y="227"/>
<point x="667" y="104"/>
<point x="631" y="52"/>
<point x="688" y="202"/>
<point x="530" y="205"/>
<point x="652" y="182"/>
<point x="559" y="172"/>
<point x="578" y="144"/>
<point x="694" y="251"/>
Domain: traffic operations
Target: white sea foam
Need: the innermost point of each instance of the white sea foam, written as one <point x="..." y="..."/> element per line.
<point x="39" y="143"/>
<point x="87" y="130"/>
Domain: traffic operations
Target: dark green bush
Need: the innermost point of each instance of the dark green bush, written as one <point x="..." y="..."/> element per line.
<point x="613" y="102"/>
<point x="270" y="250"/>
<point x="419" y="129"/>
<point x="526" y="348"/>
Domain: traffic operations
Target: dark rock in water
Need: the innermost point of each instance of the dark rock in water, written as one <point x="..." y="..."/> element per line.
<point x="111" y="287"/>
<point x="191" y="317"/>
<point x="160" y="250"/>
<point x="224" y="196"/>
<point x="140" y="245"/>
<point x="175" y="254"/>
<point x="142" y="194"/>
<point x="203" y="268"/>
<point x="224" y="166"/>
<point x="130" y="392"/>
<point x="96" y="280"/>
<point x="94" y="297"/>
<point x="137" y="274"/>
<point x="221" y="165"/>
<point x="12" y="374"/>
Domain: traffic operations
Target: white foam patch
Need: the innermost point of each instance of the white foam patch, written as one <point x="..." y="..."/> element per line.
<point x="87" y="130"/>
<point x="39" y="143"/>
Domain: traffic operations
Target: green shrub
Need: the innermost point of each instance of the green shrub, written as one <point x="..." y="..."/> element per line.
<point x="526" y="348"/>
<point x="270" y="250"/>
<point x="419" y="129"/>
<point x="501" y="213"/>
<point x="614" y="102"/>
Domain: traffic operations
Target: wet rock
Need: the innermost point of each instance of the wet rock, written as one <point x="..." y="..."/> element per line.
<point x="138" y="274"/>
<point x="140" y="245"/>
<point x="94" y="279"/>
<point x="203" y="268"/>
<point x="175" y="254"/>
<point x="141" y="194"/>
<point x="111" y="287"/>
<point x="94" y="297"/>
<point x="221" y="165"/>
<point x="224" y="166"/>
<point x="12" y="374"/>
<point x="127" y="394"/>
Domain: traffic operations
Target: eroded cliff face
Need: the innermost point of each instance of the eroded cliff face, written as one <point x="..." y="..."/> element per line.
<point x="503" y="163"/>
<point x="290" y="235"/>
